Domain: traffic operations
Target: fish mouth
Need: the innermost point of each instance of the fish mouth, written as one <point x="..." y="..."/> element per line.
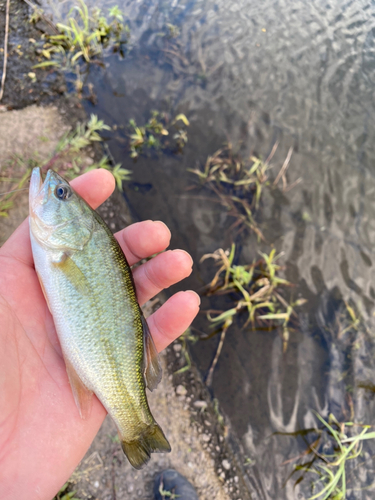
<point x="36" y="184"/>
<point x="39" y="193"/>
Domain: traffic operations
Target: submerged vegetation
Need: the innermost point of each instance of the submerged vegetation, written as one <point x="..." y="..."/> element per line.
<point x="156" y="134"/>
<point x="328" y="456"/>
<point x="256" y="289"/>
<point x="239" y="184"/>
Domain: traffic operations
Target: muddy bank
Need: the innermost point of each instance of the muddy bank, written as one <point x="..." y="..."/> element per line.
<point x="21" y="88"/>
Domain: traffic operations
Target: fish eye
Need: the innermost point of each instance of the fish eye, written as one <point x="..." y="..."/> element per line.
<point x="63" y="192"/>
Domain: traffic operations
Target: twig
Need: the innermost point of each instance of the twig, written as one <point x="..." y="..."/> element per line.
<point x="218" y="351"/>
<point x="42" y="16"/>
<point x="5" y="50"/>
<point x="281" y="174"/>
<point x="273" y="151"/>
<point x="294" y="184"/>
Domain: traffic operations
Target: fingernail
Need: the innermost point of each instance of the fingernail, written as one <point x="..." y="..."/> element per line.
<point x="161" y="222"/>
<point x="197" y="298"/>
<point x="186" y="253"/>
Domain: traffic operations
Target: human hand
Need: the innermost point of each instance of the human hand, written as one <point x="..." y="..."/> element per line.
<point x="42" y="437"/>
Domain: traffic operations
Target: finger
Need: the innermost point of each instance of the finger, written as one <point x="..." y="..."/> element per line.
<point x="173" y="318"/>
<point x="161" y="272"/>
<point x="143" y="239"/>
<point x="94" y="187"/>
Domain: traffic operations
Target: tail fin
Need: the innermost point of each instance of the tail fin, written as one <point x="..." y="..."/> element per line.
<point x="151" y="440"/>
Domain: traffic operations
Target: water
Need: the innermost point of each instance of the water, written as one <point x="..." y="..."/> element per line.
<point x="253" y="73"/>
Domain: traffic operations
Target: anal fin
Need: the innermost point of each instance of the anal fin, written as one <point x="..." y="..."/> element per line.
<point x="152" y="367"/>
<point x="82" y="395"/>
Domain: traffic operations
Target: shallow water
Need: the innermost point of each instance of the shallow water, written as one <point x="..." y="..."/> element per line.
<point x="253" y="73"/>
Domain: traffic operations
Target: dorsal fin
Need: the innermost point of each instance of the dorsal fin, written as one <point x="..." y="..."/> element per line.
<point x="82" y="395"/>
<point x="151" y="364"/>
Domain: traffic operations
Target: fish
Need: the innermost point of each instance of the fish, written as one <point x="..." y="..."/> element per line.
<point x="89" y="289"/>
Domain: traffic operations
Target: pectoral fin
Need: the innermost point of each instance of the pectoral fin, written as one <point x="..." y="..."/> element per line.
<point x="152" y="367"/>
<point x="74" y="274"/>
<point x="82" y="395"/>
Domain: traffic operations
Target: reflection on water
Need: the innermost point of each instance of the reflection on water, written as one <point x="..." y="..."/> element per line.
<point x="253" y="73"/>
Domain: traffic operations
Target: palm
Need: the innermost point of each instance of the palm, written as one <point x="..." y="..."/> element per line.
<point x="42" y="437"/>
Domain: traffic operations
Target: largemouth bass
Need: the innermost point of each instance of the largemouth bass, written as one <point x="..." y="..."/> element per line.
<point x="89" y="289"/>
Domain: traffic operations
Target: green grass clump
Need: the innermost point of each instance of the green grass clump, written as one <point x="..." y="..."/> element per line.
<point x="64" y="495"/>
<point x="156" y="134"/>
<point x="330" y="469"/>
<point x="84" y="36"/>
<point x="257" y="285"/>
<point x="68" y="159"/>
<point x="239" y="183"/>
<point x="225" y="170"/>
<point x="257" y="290"/>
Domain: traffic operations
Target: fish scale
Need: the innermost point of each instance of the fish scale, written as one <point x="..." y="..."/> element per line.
<point x="90" y="292"/>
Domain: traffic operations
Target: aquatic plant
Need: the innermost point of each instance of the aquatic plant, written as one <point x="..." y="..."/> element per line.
<point x="154" y="134"/>
<point x="226" y="170"/>
<point x="239" y="183"/>
<point x="257" y="291"/>
<point x="186" y="337"/>
<point x="189" y="65"/>
<point x="330" y="468"/>
<point x="173" y="30"/>
<point x="348" y="321"/>
<point x="84" y="36"/>
<point x="63" y="494"/>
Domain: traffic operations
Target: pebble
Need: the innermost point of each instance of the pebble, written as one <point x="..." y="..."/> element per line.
<point x="130" y="488"/>
<point x="206" y="438"/>
<point x="236" y="479"/>
<point x="226" y="464"/>
<point x="96" y="484"/>
<point x="181" y="390"/>
<point x="200" y="404"/>
<point x="177" y="347"/>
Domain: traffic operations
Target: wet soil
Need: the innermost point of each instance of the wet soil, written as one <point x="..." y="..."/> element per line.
<point x="21" y="89"/>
